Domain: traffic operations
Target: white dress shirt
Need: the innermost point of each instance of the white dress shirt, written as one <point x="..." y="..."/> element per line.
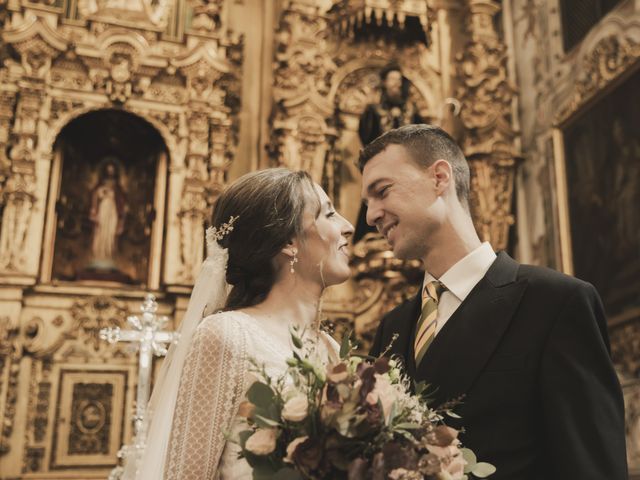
<point x="460" y="280"/>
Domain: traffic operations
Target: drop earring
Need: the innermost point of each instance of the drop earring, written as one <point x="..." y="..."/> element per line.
<point x="293" y="261"/>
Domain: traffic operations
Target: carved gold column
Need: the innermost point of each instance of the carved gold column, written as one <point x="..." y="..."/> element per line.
<point x="299" y="130"/>
<point x="211" y="72"/>
<point x="7" y="102"/>
<point x="489" y="138"/>
<point x="19" y="194"/>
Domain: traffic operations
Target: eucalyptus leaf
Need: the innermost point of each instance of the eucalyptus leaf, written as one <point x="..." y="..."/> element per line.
<point x="452" y="414"/>
<point x="345" y="346"/>
<point x="408" y="426"/>
<point x="244" y="436"/>
<point x="260" y="394"/>
<point x="483" y="470"/>
<point x="264" y="422"/>
<point x="286" y="473"/>
<point x="470" y="458"/>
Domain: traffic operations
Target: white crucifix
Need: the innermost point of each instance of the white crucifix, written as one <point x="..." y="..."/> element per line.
<point x="151" y="339"/>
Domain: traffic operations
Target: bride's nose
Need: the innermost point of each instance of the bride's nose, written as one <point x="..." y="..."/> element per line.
<point x="347" y="228"/>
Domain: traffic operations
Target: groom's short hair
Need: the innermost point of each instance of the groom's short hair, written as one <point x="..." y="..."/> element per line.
<point x="426" y="144"/>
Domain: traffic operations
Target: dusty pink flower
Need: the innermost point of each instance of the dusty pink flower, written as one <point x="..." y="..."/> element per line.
<point x="262" y="442"/>
<point x="337" y="373"/>
<point x="384" y="392"/>
<point x="296" y="408"/>
<point x="291" y="448"/>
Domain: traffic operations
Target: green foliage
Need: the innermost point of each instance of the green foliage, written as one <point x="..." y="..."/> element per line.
<point x="261" y="395"/>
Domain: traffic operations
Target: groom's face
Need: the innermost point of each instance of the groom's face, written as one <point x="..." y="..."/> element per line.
<point x="402" y="201"/>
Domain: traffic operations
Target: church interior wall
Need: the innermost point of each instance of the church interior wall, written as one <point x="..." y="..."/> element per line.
<point x="231" y="86"/>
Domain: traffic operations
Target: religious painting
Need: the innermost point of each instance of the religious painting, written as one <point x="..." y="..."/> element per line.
<point x="105" y="208"/>
<point x="90" y="419"/>
<point x="603" y="182"/>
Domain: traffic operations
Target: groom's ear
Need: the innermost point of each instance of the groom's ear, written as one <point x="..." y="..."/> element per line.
<point x="442" y="174"/>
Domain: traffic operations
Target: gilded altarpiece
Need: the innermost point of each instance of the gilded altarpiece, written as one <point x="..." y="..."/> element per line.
<point x="170" y="71"/>
<point x="328" y="59"/>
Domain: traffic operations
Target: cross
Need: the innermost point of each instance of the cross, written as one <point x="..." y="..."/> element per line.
<point x="148" y="334"/>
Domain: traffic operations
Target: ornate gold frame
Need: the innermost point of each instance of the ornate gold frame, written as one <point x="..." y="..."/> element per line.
<point x="605" y="66"/>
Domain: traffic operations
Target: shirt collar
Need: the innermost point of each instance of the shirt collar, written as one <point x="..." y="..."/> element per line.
<point x="467" y="272"/>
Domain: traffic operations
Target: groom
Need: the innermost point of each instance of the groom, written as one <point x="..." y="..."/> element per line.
<point x="526" y="347"/>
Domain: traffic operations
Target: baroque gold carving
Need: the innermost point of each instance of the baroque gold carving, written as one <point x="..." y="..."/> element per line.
<point x="486" y="96"/>
<point x="92" y="315"/>
<point x="612" y="56"/>
<point x="302" y="77"/>
<point x="382" y="282"/>
<point x="10" y="353"/>
<point x="151" y="13"/>
<point x="52" y="71"/>
<point x="18" y="197"/>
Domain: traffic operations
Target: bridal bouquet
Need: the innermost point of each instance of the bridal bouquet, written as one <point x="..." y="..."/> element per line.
<point x="355" y="419"/>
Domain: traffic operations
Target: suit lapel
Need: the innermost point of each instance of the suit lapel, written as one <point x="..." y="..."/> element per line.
<point x="461" y="349"/>
<point x="403" y="323"/>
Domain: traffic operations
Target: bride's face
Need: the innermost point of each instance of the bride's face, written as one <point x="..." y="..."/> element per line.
<point x="324" y="252"/>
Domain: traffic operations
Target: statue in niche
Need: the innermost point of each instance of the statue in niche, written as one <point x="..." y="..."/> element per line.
<point x="107" y="214"/>
<point x="394" y="110"/>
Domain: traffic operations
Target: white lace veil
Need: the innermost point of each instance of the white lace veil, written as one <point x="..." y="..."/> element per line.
<point x="208" y="296"/>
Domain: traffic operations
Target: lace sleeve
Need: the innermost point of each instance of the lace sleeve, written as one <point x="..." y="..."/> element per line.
<point x="211" y="389"/>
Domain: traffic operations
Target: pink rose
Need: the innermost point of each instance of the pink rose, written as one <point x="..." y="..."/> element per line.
<point x="337" y="373"/>
<point x="262" y="442"/>
<point x="384" y="392"/>
<point x="456" y="467"/>
<point x="296" y="408"/>
<point x="291" y="448"/>
<point x="451" y="461"/>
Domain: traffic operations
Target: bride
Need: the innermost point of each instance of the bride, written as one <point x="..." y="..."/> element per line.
<point x="284" y="243"/>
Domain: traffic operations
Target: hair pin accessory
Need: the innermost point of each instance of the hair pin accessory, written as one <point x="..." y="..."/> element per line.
<point x="218" y="234"/>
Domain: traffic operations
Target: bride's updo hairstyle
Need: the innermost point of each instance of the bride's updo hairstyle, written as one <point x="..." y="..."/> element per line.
<point x="270" y="205"/>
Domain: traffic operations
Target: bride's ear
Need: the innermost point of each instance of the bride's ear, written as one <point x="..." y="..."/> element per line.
<point x="291" y="249"/>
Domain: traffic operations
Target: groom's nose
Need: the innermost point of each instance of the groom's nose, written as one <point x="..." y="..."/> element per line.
<point x="374" y="213"/>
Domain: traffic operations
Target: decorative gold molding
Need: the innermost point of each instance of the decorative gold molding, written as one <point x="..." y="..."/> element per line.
<point x="611" y="58"/>
<point x="10" y="353"/>
<point x="564" y="224"/>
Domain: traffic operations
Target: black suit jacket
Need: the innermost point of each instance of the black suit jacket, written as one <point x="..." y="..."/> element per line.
<point x="529" y="350"/>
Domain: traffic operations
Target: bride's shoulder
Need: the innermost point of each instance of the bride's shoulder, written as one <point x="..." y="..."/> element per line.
<point x="224" y="323"/>
<point x="222" y="319"/>
<point x="222" y="328"/>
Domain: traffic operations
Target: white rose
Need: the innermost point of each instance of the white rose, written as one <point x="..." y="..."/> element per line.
<point x="384" y="392"/>
<point x="296" y="409"/>
<point x="262" y="442"/>
<point x="292" y="448"/>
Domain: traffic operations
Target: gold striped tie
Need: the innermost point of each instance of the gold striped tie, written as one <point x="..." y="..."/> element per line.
<point x="426" y="327"/>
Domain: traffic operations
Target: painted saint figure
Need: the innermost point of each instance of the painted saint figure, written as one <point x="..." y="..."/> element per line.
<point x="108" y="209"/>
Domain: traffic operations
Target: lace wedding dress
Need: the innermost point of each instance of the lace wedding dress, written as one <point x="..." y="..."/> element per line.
<point x="216" y="376"/>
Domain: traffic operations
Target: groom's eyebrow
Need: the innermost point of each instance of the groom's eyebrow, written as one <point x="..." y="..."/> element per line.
<point x="372" y="187"/>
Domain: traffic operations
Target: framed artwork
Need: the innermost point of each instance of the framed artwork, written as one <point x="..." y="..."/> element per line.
<point x="602" y="164"/>
<point x="89" y="421"/>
